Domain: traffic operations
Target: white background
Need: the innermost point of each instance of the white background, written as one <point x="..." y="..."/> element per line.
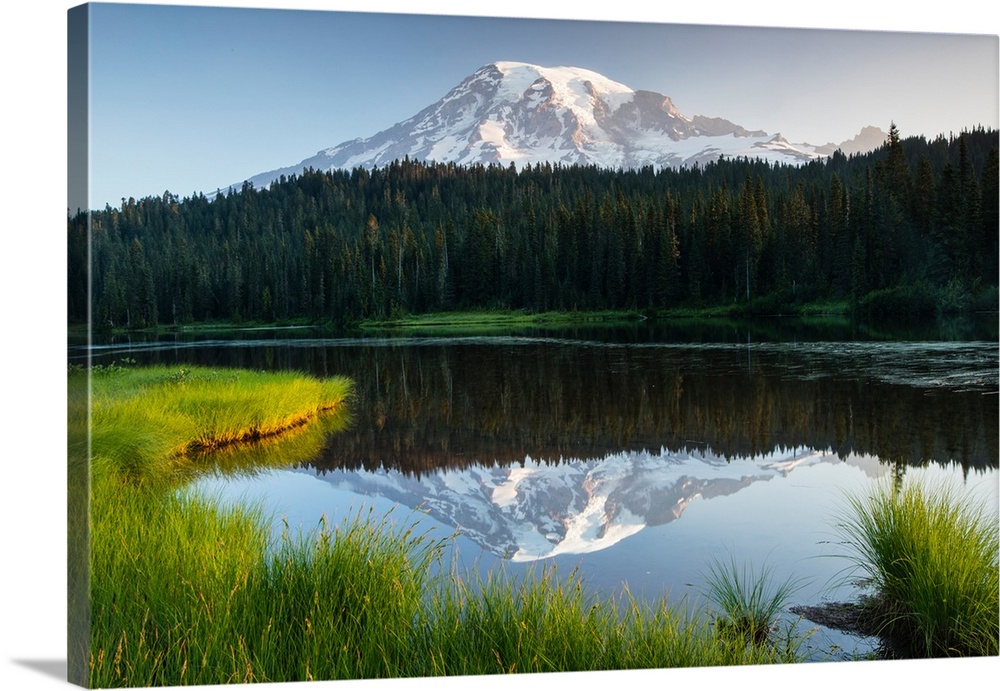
<point x="32" y="252"/>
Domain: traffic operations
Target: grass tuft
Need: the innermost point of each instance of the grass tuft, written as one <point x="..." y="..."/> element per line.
<point x="749" y="603"/>
<point x="931" y="557"/>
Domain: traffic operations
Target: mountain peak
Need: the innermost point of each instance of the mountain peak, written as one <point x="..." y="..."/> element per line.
<point x="868" y="139"/>
<point x="562" y="76"/>
<point x="517" y="112"/>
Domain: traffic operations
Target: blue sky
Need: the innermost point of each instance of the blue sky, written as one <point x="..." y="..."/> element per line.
<point x="189" y="99"/>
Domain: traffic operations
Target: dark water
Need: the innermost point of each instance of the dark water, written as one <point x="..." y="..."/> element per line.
<point x="635" y="455"/>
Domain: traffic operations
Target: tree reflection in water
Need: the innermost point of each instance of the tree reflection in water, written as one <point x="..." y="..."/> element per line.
<point x="424" y="408"/>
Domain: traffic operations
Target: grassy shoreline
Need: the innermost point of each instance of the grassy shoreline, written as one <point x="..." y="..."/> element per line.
<point x="184" y="591"/>
<point x="762" y="308"/>
<point x="917" y="302"/>
<point x="147" y="421"/>
<point x="465" y="320"/>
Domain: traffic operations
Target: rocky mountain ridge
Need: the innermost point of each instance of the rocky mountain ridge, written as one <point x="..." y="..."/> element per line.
<point x="521" y="114"/>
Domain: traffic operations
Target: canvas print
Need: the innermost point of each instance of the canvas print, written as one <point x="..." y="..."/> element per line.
<point x="410" y="346"/>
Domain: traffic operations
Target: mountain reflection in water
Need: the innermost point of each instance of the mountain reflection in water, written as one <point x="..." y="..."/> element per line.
<point x="530" y="511"/>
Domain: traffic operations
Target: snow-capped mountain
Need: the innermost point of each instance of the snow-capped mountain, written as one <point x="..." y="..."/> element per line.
<point x="512" y="112"/>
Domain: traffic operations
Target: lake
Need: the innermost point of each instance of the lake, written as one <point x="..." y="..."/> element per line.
<point x="633" y="454"/>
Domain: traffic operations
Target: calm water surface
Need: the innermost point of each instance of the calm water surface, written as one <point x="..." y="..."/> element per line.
<point x="634" y="457"/>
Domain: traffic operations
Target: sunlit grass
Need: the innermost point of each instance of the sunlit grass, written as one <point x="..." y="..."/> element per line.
<point x="931" y="557"/>
<point x="168" y="570"/>
<point x="148" y="421"/>
<point x="204" y="600"/>
<point x="187" y="593"/>
<point x="164" y="569"/>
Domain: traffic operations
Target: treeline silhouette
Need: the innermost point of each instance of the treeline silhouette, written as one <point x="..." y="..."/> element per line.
<point x="910" y="227"/>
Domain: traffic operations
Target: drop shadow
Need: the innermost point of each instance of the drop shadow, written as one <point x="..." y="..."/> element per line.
<point x="56" y="669"/>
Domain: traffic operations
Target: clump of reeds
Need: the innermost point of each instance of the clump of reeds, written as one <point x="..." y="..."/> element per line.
<point x="749" y="603"/>
<point x="931" y="557"/>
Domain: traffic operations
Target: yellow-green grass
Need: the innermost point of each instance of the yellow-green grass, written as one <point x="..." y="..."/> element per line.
<point x="931" y="556"/>
<point x="199" y="598"/>
<point x="149" y="422"/>
<point x="187" y="593"/>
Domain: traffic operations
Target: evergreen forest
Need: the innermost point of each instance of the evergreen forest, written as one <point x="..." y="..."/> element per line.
<point x="911" y="228"/>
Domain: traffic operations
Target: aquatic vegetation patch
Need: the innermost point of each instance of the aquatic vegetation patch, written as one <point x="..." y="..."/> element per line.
<point x="749" y="603"/>
<point x="470" y="322"/>
<point x="548" y="623"/>
<point x="930" y="555"/>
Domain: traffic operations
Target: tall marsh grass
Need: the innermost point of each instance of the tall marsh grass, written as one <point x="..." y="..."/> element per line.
<point x="931" y="557"/>
<point x="546" y="623"/>
<point x="197" y="595"/>
<point x="148" y="422"/>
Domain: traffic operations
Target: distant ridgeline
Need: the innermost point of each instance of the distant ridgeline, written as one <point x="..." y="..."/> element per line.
<point x="910" y="227"/>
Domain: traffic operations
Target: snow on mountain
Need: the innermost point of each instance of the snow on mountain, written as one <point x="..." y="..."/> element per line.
<point x="513" y="112"/>
<point x="539" y="509"/>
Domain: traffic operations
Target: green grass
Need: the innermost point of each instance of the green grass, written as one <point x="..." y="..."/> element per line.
<point x="198" y="597"/>
<point x="931" y="558"/>
<point x="185" y="591"/>
<point x="462" y="322"/>
<point x="749" y="603"/>
<point x="165" y="566"/>
<point x="762" y="306"/>
<point x="544" y="623"/>
<point x="826" y="308"/>
<point x="151" y="423"/>
<point x="202" y="327"/>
